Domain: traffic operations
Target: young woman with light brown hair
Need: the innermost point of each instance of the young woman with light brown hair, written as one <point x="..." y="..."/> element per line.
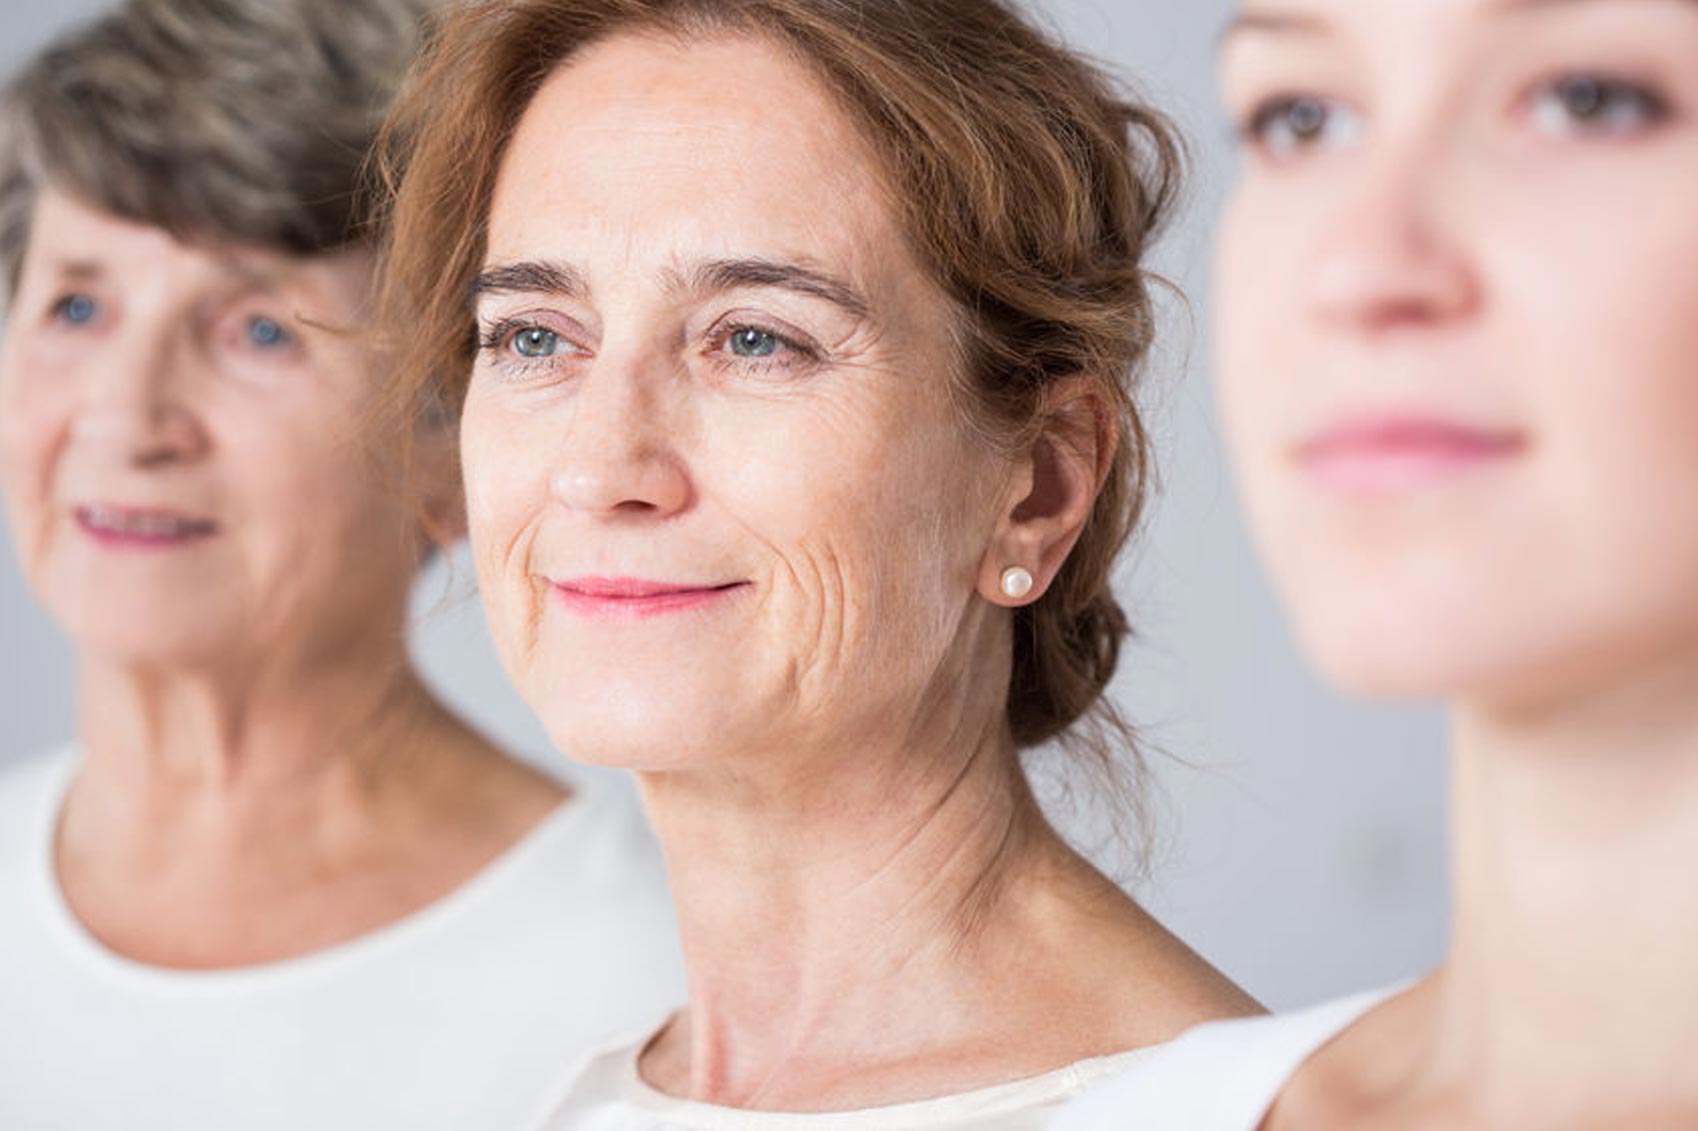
<point x="1458" y="339"/>
<point x="792" y="344"/>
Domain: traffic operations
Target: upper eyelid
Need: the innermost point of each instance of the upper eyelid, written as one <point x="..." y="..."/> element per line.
<point x="745" y="319"/>
<point x="564" y="324"/>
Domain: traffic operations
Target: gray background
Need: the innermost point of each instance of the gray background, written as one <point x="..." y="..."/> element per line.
<point x="1299" y="836"/>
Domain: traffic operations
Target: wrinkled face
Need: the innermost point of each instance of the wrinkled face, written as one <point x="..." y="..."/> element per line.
<point x="178" y="439"/>
<point x="719" y="498"/>
<point x="1458" y="302"/>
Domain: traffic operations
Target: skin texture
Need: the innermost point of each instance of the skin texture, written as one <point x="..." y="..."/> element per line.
<point x="1482" y="214"/>
<point x="263" y="774"/>
<point x="873" y="908"/>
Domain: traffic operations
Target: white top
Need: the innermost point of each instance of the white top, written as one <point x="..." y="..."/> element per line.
<point x="459" y="1017"/>
<point x="608" y="1094"/>
<point x="1223" y="1076"/>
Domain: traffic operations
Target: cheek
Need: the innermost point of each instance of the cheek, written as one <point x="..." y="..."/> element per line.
<point x="34" y="417"/>
<point x="1621" y="417"/>
<point x="317" y="526"/>
<point x="1259" y="339"/>
<point x="874" y="515"/>
<point x="504" y="459"/>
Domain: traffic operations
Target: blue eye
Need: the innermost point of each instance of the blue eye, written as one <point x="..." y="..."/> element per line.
<point x="536" y="342"/>
<point x="76" y="310"/>
<point x="1584" y="104"/>
<point x="754" y="343"/>
<point x="267" y="333"/>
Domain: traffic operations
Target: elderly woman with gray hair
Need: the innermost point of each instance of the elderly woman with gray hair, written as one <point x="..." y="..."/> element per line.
<point x="276" y="884"/>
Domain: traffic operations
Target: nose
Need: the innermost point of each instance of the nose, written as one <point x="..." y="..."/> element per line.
<point x="618" y="456"/>
<point x="1392" y="257"/>
<point x="136" y="402"/>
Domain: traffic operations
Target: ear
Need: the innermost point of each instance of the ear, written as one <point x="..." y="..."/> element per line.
<point x="1053" y="491"/>
<point x="435" y="474"/>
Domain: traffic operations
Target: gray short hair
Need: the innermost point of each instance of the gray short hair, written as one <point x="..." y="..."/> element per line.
<point x="239" y="120"/>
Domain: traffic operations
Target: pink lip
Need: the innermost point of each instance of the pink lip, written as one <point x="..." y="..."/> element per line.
<point x="1390" y="453"/>
<point x="142" y="528"/>
<point x="635" y="598"/>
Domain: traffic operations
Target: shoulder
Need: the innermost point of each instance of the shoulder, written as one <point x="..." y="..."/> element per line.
<point x="1222" y="1076"/>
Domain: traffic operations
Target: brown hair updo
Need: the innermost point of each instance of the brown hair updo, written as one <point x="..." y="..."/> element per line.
<point x="1030" y="186"/>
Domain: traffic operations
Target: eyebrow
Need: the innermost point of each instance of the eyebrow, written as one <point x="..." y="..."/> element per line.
<point x="731" y="274"/>
<point x="547" y="277"/>
<point x="251" y="278"/>
<point x="531" y="277"/>
<point x="1288" y="23"/>
<point x="78" y="270"/>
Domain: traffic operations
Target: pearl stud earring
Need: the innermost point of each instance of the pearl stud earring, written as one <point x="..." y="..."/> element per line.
<point x="1016" y="582"/>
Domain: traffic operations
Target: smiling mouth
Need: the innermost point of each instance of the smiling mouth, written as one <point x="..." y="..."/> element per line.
<point x="122" y="526"/>
<point x="631" y="598"/>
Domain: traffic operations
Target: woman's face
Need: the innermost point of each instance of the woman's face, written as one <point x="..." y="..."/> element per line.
<point x="179" y="444"/>
<point x="1458" y="302"/>
<point x="719" y="497"/>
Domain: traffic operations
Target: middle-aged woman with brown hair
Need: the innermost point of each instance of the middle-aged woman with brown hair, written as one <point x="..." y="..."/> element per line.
<point x="791" y="342"/>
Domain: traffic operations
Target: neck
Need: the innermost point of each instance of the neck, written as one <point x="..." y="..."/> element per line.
<point x="1572" y="991"/>
<point x="838" y="915"/>
<point x="248" y="730"/>
<point x="248" y="815"/>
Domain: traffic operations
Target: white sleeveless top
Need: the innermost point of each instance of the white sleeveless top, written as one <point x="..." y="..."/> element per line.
<point x="1223" y="1076"/>
<point x="607" y="1093"/>
<point x="458" y="1017"/>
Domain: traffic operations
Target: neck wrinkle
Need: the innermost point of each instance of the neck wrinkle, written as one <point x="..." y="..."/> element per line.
<point x="820" y="926"/>
<point x="248" y="739"/>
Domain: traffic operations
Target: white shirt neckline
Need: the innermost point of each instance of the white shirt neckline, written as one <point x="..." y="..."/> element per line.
<point x="949" y="1110"/>
<point x="400" y="933"/>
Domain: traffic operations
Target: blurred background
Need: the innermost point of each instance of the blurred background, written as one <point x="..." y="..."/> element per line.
<point x="1298" y="837"/>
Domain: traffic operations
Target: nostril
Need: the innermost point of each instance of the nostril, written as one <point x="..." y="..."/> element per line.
<point x="144" y="437"/>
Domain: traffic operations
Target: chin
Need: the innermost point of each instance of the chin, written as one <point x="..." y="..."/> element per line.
<point x="1493" y="659"/>
<point x="1383" y="642"/>
<point x="1371" y="669"/>
<point x="646" y="726"/>
<point x="145" y="642"/>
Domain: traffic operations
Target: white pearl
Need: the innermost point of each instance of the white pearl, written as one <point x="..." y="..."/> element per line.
<point x="1016" y="582"/>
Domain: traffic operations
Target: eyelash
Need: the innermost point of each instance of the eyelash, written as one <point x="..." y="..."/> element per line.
<point x="1252" y="130"/>
<point x="499" y="336"/>
<point x="1653" y="106"/>
<point x="805" y="354"/>
<point x="497" y="340"/>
